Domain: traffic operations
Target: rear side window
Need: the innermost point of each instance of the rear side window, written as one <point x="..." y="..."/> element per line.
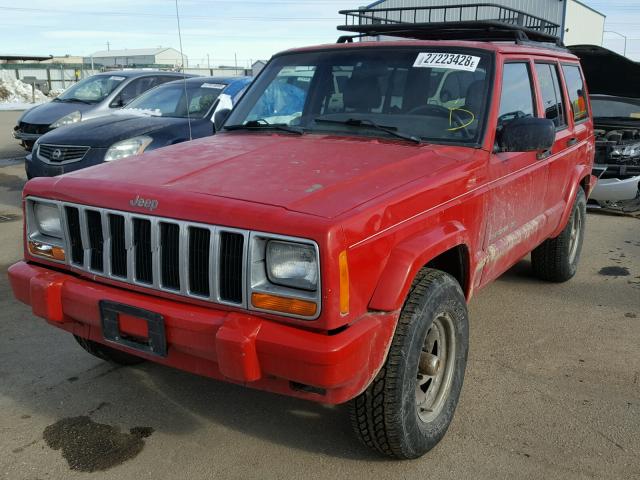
<point x="517" y="94"/>
<point x="577" y="95"/>
<point x="551" y="93"/>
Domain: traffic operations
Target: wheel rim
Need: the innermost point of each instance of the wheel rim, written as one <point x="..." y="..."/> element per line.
<point x="576" y="228"/>
<point x="436" y="367"/>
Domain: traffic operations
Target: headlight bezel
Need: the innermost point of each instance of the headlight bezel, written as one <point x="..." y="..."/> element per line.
<point x="34" y="233"/>
<point x="259" y="282"/>
<point x="68" y="119"/>
<point x="143" y="141"/>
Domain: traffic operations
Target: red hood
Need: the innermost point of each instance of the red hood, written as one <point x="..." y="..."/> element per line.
<point x="312" y="174"/>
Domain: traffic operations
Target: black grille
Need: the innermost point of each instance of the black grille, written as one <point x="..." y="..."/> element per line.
<point x="142" y="243"/>
<point x="73" y="222"/>
<point x="231" y="254"/>
<point x="94" y="226"/>
<point x="199" y="240"/>
<point x="33" y="128"/>
<point x="170" y="252"/>
<point x="60" y="153"/>
<point x="163" y="254"/>
<point x="118" y="246"/>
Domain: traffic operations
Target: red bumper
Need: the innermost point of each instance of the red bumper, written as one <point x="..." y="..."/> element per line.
<point x="236" y="347"/>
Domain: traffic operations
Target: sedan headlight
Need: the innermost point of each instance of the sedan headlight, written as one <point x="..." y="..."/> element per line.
<point x="292" y="265"/>
<point x="73" y="117"/>
<point x="127" y="148"/>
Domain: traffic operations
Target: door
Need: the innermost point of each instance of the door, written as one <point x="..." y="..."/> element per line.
<point x="515" y="211"/>
<point x="565" y="151"/>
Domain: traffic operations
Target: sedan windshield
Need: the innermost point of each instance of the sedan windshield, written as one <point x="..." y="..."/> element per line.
<point x="429" y="94"/>
<point x="92" y="90"/>
<point x="169" y="100"/>
<point x="616" y="108"/>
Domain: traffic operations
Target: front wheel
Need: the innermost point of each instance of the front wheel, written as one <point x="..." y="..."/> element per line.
<point x="407" y="408"/>
<point x="556" y="260"/>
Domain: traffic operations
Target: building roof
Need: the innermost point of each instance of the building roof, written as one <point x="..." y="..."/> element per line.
<point x="131" y="52"/>
<point x="38" y="58"/>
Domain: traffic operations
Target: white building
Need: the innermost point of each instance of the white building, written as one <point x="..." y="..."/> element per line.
<point x="136" y="57"/>
<point x="580" y="23"/>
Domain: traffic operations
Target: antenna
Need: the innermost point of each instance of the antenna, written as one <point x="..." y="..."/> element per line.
<point x="184" y="79"/>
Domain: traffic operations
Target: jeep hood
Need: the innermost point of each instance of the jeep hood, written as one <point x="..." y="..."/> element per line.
<point x="319" y="175"/>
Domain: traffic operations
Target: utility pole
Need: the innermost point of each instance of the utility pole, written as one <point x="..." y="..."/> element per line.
<point x="621" y="35"/>
<point x="108" y="46"/>
<point x="235" y="56"/>
<point x="208" y="62"/>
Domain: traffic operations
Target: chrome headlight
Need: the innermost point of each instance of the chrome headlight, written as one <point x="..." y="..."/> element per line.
<point x="73" y="117"/>
<point x="47" y="219"/>
<point x="45" y="235"/>
<point x="127" y="148"/>
<point x="292" y="265"/>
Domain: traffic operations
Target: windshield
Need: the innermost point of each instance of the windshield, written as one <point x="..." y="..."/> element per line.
<point x="170" y="101"/>
<point x="93" y="89"/>
<point x="616" y="108"/>
<point x="431" y="94"/>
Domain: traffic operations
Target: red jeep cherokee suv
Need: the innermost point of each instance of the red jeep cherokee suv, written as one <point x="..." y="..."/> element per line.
<point x="325" y="243"/>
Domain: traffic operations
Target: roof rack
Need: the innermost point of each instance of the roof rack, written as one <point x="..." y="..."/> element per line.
<point x="477" y="21"/>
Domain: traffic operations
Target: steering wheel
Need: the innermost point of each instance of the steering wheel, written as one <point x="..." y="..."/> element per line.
<point x="437" y="110"/>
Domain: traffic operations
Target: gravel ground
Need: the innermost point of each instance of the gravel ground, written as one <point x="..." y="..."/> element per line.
<point x="552" y="390"/>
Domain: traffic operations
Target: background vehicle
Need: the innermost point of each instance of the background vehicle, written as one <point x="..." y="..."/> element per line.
<point x="329" y="253"/>
<point x="614" y="83"/>
<point x="90" y="98"/>
<point x="157" y="118"/>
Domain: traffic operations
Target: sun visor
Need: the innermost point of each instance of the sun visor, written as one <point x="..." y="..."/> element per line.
<point x="608" y="73"/>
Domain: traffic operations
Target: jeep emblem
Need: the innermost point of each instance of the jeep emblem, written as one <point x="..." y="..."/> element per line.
<point x="147" y="203"/>
<point x="56" y="154"/>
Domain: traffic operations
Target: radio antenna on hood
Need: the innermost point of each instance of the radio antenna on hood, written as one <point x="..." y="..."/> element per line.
<point x="184" y="78"/>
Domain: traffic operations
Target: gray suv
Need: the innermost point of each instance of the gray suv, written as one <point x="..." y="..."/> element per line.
<point x="90" y="98"/>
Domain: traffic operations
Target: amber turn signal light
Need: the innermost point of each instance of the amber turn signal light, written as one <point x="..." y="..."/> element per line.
<point x="344" y="282"/>
<point x="292" y="306"/>
<point x="46" y="250"/>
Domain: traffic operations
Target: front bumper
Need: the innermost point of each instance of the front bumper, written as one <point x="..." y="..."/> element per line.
<point x="225" y="345"/>
<point x="617" y="183"/>
<point x="29" y="137"/>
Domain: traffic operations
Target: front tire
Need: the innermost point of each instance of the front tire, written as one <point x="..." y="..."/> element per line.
<point x="107" y="353"/>
<point x="407" y="408"/>
<point x="556" y="259"/>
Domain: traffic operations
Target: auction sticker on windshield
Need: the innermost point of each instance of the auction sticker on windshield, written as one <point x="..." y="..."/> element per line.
<point x="218" y="86"/>
<point x="452" y="61"/>
<point x="116" y="78"/>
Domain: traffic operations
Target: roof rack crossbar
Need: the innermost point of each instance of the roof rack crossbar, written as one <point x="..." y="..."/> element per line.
<point x="416" y="21"/>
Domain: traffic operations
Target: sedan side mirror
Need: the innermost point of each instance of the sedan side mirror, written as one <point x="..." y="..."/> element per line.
<point x="220" y="117"/>
<point x="527" y="135"/>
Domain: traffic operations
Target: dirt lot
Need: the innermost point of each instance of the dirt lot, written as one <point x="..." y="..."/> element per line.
<point x="552" y="390"/>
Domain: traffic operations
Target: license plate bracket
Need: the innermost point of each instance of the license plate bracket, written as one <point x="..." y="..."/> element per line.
<point x="154" y="344"/>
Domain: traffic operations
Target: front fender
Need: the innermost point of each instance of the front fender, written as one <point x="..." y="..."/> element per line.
<point x="579" y="172"/>
<point x="408" y="257"/>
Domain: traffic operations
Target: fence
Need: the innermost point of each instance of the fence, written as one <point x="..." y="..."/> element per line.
<point x="51" y="76"/>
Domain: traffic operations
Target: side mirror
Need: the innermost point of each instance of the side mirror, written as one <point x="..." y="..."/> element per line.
<point x="527" y="135"/>
<point x="220" y="117"/>
<point x="117" y="102"/>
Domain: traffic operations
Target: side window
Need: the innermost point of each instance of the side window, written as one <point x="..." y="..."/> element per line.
<point x="577" y="95"/>
<point x="552" y="97"/>
<point x="133" y="89"/>
<point x="517" y="97"/>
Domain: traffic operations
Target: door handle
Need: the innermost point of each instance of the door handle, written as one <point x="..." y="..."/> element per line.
<point x="544" y="154"/>
<point x="572" y="141"/>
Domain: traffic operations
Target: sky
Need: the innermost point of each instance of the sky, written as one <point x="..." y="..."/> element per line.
<point x="214" y="32"/>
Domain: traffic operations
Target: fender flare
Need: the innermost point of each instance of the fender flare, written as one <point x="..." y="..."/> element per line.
<point x="408" y="257"/>
<point x="579" y="172"/>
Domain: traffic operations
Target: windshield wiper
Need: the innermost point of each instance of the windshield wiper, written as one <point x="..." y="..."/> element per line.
<point x="354" y="122"/>
<point x="74" y="100"/>
<point x="264" y="125"/>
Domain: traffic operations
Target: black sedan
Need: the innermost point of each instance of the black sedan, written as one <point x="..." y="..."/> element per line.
<point x="171" y="113"/>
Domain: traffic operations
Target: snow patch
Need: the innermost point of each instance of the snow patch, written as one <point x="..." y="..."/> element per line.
<point x="13" y="91"/>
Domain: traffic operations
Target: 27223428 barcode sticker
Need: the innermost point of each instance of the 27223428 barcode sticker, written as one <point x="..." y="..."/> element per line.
<point x="453" y="61"/>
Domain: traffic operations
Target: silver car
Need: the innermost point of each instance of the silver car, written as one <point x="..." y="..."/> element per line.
<point x="90" y="98"/>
